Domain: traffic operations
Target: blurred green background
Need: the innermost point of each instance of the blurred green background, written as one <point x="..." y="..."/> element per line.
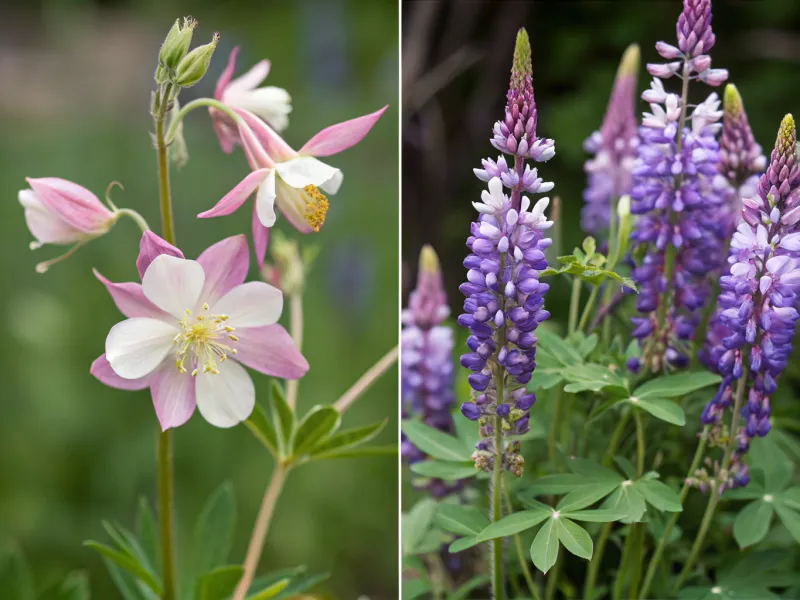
<point x="76" y="80"/>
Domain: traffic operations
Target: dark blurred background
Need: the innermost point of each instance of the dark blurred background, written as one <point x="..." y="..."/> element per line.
<point x="456" y="63"/>
<point x="76" y="79"/>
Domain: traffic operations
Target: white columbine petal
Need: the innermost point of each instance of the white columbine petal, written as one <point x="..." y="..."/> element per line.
<point x="173" y="284"/>
<point x="228" y="398"/>
<point x="307" y="170"/>
<point x="265" y="200"/>
<point x="134" y="348"/>
<point x="252" y="304"/>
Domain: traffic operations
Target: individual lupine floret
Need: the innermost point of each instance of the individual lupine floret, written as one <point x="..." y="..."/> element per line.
<point x="613" y="148"/>
<point x="758" y="298"/>
<point x="427" y="365"/>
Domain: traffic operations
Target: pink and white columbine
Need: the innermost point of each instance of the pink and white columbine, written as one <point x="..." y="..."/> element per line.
<point x="271" y="103"/>
<point x="290" y="179"/>
<point x="190" y="325"/>
<point x="58" y="211"/>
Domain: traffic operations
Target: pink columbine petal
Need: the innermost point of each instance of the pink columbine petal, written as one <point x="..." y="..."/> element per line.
<point x="225" y="265"/>
<point x="227" y="398"/>
<point x="173" y="395"/>
<point x="45" y="225"/>
<point x="270" y="350"/>
<point x="101" y="369"/>
<point x="260" y="238"/>
<point x="151" y="246"/>
<point x="251" y="304"/>
<point x="341" y="136"/>
<point x="271" y="142"/>
<point x="130" y="300"/>
<point x="227" y="74"/>
<point x="74" y="203"/>
<point x="137" y="346"/>
<point x="236" y="197"/>
<point x="226" y="139"/>
<point x="250" y="80"/>
<point x="173" y="284"/>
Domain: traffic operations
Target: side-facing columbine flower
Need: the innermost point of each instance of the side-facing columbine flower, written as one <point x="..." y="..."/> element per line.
<point x="58" y="211"/>
<point x="427" y="365"/>
<point x="287" y="178"/>
<point x="271" y="103"/>
<point x="504" y="298"/>
<point x="613" y="148"/>
<point x="190" y="325"/>
<point x="758" y="298"/>
<point x="679" y="233"/>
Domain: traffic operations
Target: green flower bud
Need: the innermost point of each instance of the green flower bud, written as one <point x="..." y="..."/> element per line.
<point x="176" y="44"/>
<point x="195" y="64"/>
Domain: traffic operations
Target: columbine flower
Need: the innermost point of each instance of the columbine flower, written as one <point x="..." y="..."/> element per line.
<point x="190" y="325"/>
<point x="614" y="148"/>
<point x="58" y="211"/>
<point x="273" y="104"/>
<point x="504" y="298"/>
<point x="427" y="365"/>
<point x="758" y="298"/>
<point x="287" y="178"/>
<point x="674" y="192"/>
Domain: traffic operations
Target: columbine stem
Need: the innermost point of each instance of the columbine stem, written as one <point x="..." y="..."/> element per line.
<point x="260" y="530"/>
<point x="662" y="543"/>
<point x="198" y="103"/>
<point x="366" y="380"/>
<point x="137" y="218"/>
<point x="715" y="493"/>
<point x="296" y="329"/>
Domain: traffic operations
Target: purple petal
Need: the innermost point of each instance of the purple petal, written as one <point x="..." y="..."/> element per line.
<point x="101" y="369"/>
<point x="151" y="246"/>
<point x="341" y="136"/>
<point x="236" y="197"/>
<point x="173" y="396"/>
<point x="270" y="350"/>
<point x="225" y="264"/>
<point x="130" y="299"/>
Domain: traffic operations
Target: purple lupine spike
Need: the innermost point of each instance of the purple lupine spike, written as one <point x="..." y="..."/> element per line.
<point x="758" y="299"/>
<point x="427" y="365"/>
<point x="679" y="229"/>
<point x="504" y="298"/>
<point x="614" y="148"/>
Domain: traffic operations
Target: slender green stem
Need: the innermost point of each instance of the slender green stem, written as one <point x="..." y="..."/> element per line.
<point x="715" y="493"/>
<point x="636" y="558"/>
<point x="137" y="218"/>
<point x="551" y="433"/>
<point x="616" y="436"/>
<point x="587" y="310"/>
<point x="662" y="543"/>
<point x="624" y="565"/>
<point x="637" y="416"/>
<point x="296" y="330"/>
<point x="523" y="562"/>
<point x="498" y="589"/>
<point x="198" y="103"/>
<point x="552" y="579"/>
<point x="574" y="305"/>
<point x="167" y="224"/>
<point x="594" y="564"/>
<point x="567" y="421"/>
<point x="369" y="377"/>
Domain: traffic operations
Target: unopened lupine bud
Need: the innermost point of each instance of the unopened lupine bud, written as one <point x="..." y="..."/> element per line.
<point x="176" y="44"/>
<point x="194" y="65"/>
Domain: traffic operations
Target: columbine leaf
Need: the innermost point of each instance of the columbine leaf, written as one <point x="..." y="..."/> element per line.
<point x="435" y="443"/>
<point x="360" y="452"/>
<point x="349" y="438"/>
<point x="213" y="532"/>
<point x="460" y="519"/>
<point x="261" y="427"/>
<point x="447" y="470"/>
<point x="127" y="563"/>
<point x="544" y="549"/>
<point x="283" y="416"/>
<point x="314" y="428"/>
<point x="659" y="494"/>
<point x="515" y="523"/>
<point x="660" y="408"/>
<point x="219" y="583"/>
<point x="574" y="537"/>
<point x="147" y="531"/>
<point x="675" y="386"/>
<point x="752" y="523"/>
<point x="271" y="591"/>
<point x="74" y="587"/>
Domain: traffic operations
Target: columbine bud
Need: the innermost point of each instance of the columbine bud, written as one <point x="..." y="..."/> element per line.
<point x="194" y="65"/>
<point x="176" y="44"/>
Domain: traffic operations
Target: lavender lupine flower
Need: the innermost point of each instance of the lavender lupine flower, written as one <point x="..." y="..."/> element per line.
<point x="758" y="298"/>
<point x="504" y="298"/>
<point x="427" y="366"/>
<point x="613" y="147"/>
<point x="679" y="228"/>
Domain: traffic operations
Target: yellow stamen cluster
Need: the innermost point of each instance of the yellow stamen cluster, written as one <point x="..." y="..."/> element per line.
<point x="316" y="207"/>
<point x="203" y="340"/>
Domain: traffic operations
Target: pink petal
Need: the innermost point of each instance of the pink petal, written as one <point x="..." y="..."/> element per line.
<point x="225" y="264"/>
<point x="260" y="238"/>
<point x="74" y="203"/>
<point x="151" y="246"/>
<point x="268" y="138"/>
<point x="173" y="396"/>
<point x="227" y="74"/>
<point x="250" y="80"/>
<point x="101" y="369"/>
<point x="341" y="136"/>
<point x="222" y="127"/>
<point x="130" y="299"/>
<point x="270" y="350"/>
<point x="236" y="197"/>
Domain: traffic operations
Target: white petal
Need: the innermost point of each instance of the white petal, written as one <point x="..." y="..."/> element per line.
<point x="265" y="200"/>
<point x="333" y="184"/>
<point x="134" y="348"/>
<point x="252" y="304"/>
<point x="306" y="170"/>
<point x="250" y="80"/>
<point x="228" y="398"/>
<point x="173" y="284"/>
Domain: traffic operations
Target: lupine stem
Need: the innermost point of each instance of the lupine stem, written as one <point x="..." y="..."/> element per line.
<point x="296" y="330"/>
<point x="662" y="543"/>
<point x="552" y="579"/>
<point x="523" y="562"/>
<point x="714" y="492"/>
<point x="587" y="309"/>
<point x="551" y="434"/>
<point x="639" y="443"/>
<point x="165" y="475"/>
<point x="498" y="589"/>
<point x="574" y="305"/>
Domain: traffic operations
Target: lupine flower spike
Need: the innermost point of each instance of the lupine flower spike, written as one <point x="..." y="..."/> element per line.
<point x="289" y="179"/>
<point x="273" y="104"/>
<point x="679" y="234"/>
<point x="504" y="298"/>
<point x="191" y="326"/>
<point x="613" y="148"/>
<point x="427" y="365"/>
<point x="758" y="299"/>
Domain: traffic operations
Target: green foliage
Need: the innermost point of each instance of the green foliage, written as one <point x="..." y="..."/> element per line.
<point x="435" y="443"/>
<point x="213" y="531"/>
<point x="587" y="264"/>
